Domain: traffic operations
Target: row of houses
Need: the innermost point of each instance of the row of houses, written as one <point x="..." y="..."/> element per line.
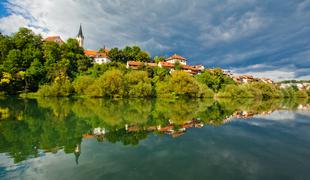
<point x="245" y="79"/>
<point x="170" y="64"/>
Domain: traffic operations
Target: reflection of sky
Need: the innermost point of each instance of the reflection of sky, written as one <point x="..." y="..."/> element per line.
<point x="235" y="150"/>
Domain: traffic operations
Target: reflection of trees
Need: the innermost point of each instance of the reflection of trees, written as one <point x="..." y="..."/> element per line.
<point x="113" y="113"/>
<point x="52" y="124"/>
<point x="125" y="137"/>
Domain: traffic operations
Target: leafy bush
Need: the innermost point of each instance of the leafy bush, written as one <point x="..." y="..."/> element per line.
<point x="180" y="84"/>
<point x="61" y="87"/>
<point x="81" y="83"/>
<point x="110" y="84"/>
<point x="138" y="84"/>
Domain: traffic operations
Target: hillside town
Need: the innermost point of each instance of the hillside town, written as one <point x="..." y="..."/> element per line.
<point x="172" y="63"/>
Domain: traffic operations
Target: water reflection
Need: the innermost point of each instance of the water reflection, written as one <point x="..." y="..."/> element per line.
<point x="29" y="126"/>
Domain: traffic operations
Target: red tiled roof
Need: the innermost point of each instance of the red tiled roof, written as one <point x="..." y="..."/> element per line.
<point x="175" y="56"/>
<point x="92" y="53"/>
<point x="138" y="63"/>
<point x="56" y="39"/>
<point x="167" y="64"/>
<point x="135" y="63"/>
<point x="192" y="68"/>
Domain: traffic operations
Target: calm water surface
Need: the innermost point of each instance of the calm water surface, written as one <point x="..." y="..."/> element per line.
<point x="154" y="139"/>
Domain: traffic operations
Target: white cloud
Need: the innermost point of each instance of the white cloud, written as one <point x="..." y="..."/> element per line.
<point x="11" y="23"/>
<point x="276" y="73"/>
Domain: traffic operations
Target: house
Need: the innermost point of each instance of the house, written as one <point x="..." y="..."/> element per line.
<point x="56" y="39"/>
<point x="176" y="58"/>
<point x="137" y="64"/>
<point x="98" y="57"/>
<point x="244" y="79"/>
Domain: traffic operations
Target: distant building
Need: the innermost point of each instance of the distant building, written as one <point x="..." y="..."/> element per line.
<point x="56" y="39"/>
<point x="98" y="57"/>
<point x="80" y="37"/>
<point x="244" y="79"/>
<point x="176" y="58"/>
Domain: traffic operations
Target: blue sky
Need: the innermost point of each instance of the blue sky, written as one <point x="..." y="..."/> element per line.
<point x="260" y="37"/>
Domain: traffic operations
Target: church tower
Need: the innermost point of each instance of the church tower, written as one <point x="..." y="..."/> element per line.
<point x="80" y="37"/>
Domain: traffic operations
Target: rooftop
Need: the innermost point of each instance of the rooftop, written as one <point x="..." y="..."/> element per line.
<point x="175" y="56"/>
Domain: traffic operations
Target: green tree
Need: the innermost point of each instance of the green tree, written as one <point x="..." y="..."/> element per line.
<point x="215" y="79"/>
<point x="138" y="84"/>
<point x="110" y="84"/>
<point x="158" y="59"/>
<point x="180" y="84"/>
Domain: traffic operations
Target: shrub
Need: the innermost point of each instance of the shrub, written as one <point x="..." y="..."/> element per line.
<point x="110" y="84"/>
<point x="180" y="84"/>
<point x="81" y="83"/>
<point x="138" y="84"/>
<point x="61" y="87"/>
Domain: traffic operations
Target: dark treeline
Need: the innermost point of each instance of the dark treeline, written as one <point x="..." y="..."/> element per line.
<point x="27" y="64"/>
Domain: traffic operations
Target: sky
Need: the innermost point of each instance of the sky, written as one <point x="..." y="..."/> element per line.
<point x="265" y="38"/>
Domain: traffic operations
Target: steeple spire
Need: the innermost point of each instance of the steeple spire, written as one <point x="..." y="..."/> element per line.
<point x="80" y="37"/>
<point x="80" y="34"/>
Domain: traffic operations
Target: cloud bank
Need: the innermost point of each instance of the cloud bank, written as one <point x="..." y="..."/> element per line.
<point x="235" y="34"/>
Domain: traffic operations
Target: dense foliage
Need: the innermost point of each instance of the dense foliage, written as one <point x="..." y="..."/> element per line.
<point x="27" y="62"/>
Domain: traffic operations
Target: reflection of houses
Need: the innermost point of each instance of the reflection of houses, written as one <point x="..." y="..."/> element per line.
<point x="300" y="86"/>
<point x="169" y="129"/>
<point x="304" y="107"/>
<point x="243" y="114"/>
<point x="169" y="64"/>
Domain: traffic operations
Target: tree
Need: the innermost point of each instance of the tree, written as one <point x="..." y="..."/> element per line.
<point x="25" y="38"/>
<point x="215" y="79"/>
<point x="138" y="84"/>
<point x="128" y="53"/>
<point x="180" y="84"/>
<point x="143" y="57"/>
<point x="158" y="59"/>
<point x="5" y="46"/>
<point x="13" y="62"/>
<point x="110" y="84"/>
<point x="34" y="75"/>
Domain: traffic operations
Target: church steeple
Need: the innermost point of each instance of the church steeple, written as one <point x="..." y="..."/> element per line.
<point x="80" y="37"/>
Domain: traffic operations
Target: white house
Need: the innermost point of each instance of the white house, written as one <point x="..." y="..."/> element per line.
<point x="176" y="58"/>
<point x="98" y="57"/>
